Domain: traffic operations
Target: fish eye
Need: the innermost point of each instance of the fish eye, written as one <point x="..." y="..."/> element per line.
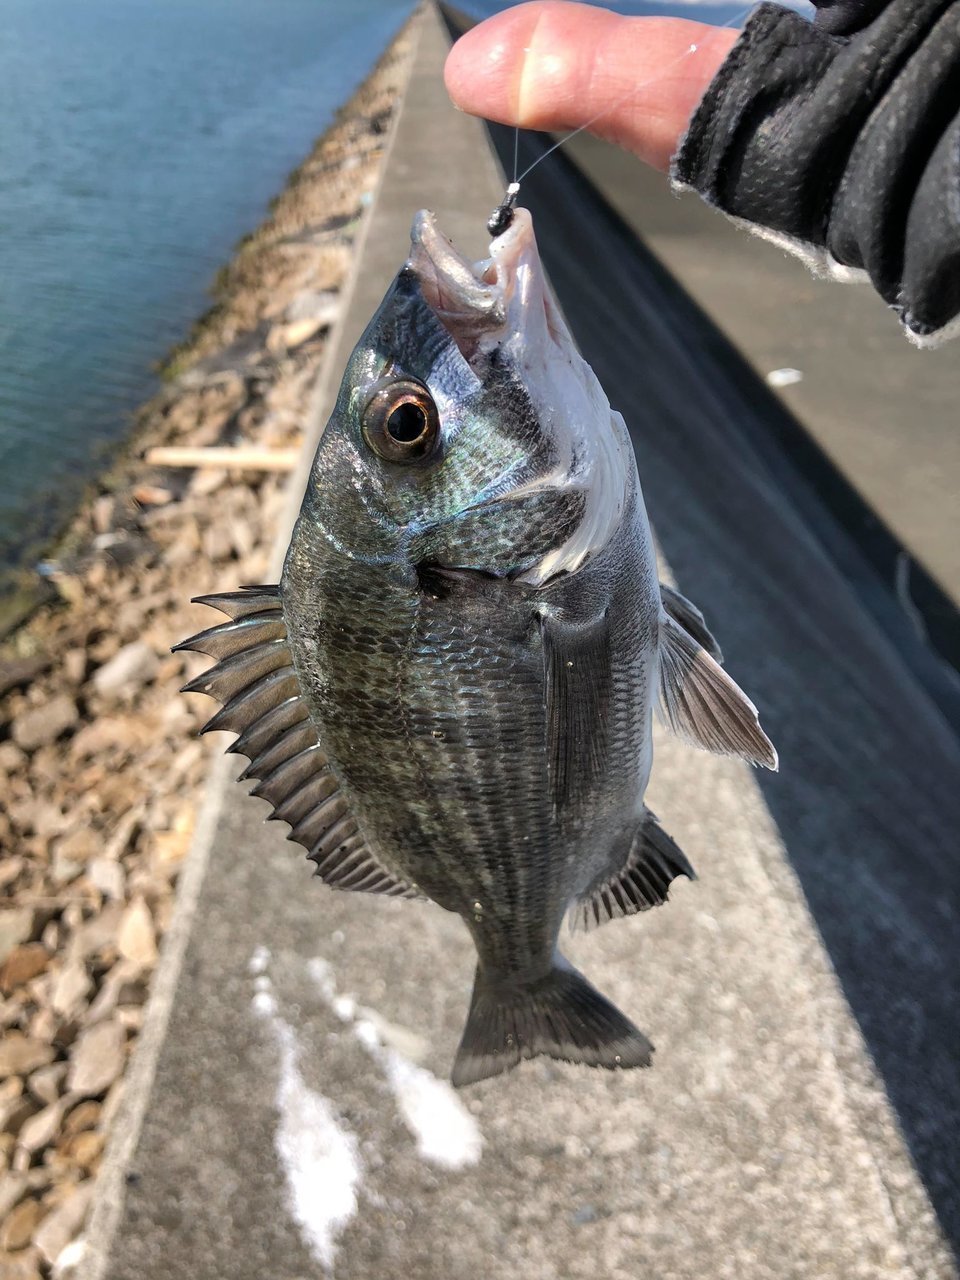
<point x="399" y="421"/>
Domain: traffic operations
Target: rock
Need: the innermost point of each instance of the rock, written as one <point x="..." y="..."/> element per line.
<point x="24" y="1265"/>
<point x="82" y="1117"/>
<point x="41" y="1129"/>
<point x="17" y="1231"/>
<point x="216" y="543"/>
<point x="11" y="757"/>
<point x="10" y="1093"/>
<point x="136" y="940"/>
<point x="105" y="734"/>
<point x="15" y="672"/>
<point x="169" y="849"/>
<point x="15" y="1108"/>
<point x="130" y="1018"/>
<point x="79" y="846"/>
<point x="97" y="934"/>
<point x="96" y="1059"/>
<point x="206" y="480"/>
<point x="40" y="725"/>
<point x="285" y="337"/>
<point x="71" y="988"/>
<point x="125" y="830"/>
<point x="103" y="512"/>
<point x="16" y="927"/>
<point x="22" y="964"/>
<point x="126" y="672"/>
<point x="124" y="984"/>
<point x="63" y="1223"/>
<point x="63" y="869"/>
<point x="74" y="665"/>
<point x="43" y="1024"/>
<point x="10" y="869"/>
<point x="44" y="1084"/>
<point x="312" y="304"/>
<point x="12" y="1189"/>
<point x="19" y="1054"/>
<point x="152" y="495"/>
<point x="108" y="877"/>
<point x="51" y="936"/>
<point x="83" y="1150"/>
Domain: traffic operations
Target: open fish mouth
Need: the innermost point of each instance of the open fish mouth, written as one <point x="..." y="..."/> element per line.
<point x="504" y="304"/>
<point x="481" y="304"/>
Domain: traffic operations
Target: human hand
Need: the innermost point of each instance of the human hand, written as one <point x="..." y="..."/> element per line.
<point x="556" y="65"/>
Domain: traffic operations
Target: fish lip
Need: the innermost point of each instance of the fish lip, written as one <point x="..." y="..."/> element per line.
<point x="471" y="299"/>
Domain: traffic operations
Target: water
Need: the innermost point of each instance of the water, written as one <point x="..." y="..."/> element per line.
<point x="138" y="142"/>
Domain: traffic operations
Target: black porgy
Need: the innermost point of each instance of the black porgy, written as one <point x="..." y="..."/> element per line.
<point x="450" y="692"/>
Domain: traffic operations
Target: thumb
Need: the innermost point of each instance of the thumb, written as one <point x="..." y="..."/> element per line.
<point x="554" y="65"/>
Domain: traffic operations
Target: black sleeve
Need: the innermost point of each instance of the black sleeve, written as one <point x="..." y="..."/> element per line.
<point x="842" y="136"/>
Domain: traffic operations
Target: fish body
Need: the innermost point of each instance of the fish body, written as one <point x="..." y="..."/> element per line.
<point x="450" y="694"/>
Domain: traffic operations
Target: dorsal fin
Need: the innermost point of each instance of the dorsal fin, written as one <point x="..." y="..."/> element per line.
<point x="255" y="681"/>
<point x="700" y="702"/>
<point x="690" y="618"/>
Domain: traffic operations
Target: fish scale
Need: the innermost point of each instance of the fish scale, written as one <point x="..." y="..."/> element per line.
<point x="450" y="692"/>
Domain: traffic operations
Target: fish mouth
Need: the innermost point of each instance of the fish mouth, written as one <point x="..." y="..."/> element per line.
<point x="480" y="304"/>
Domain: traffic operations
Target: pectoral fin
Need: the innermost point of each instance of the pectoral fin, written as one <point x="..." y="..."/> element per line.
<point x="577" y="675"/>
<point x="700" y="702"/>
<point x="635" y="882"/>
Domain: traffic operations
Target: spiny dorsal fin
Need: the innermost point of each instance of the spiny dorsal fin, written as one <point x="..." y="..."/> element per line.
<point x="254" y="680"/>
<point x="690" y="618"/>
<point x="640" y="881"/>
<point x="700" y="702"/>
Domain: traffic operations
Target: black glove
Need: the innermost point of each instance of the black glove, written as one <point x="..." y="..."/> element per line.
<point x="842" y="137"/>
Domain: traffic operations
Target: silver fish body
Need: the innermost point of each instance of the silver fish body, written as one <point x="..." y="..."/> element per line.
<point x="451" y="692"/>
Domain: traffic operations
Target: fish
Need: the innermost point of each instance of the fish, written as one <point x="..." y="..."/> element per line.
<point x="450" y="692"/>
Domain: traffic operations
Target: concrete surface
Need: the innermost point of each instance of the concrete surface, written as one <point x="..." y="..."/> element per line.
<point x="763" y="1143"/>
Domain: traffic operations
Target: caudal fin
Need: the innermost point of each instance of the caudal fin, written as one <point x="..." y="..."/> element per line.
<point x="559" y="1015"/>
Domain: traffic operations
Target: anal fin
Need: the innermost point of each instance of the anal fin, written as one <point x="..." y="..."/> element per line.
<point x="635" y="883"/>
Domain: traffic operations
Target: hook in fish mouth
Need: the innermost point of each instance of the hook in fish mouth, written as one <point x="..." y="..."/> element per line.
<point x="474" y="301"/>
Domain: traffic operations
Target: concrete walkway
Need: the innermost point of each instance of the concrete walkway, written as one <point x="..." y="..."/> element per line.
<point x="285" y="1118"/>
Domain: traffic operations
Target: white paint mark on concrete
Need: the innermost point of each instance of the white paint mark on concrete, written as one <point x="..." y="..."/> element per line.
<point x="784" y="377"/>
<point x="445" y="1131"/>
<point x="264" y="1004"/>
<point x="320" y="1158"/>
<point x="259" y="961"/>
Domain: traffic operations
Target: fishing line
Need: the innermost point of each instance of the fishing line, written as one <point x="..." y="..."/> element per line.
<point x="502" y="216"/>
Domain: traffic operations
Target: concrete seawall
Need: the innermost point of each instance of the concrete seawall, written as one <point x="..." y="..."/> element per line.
<point x="286" y="1118"/>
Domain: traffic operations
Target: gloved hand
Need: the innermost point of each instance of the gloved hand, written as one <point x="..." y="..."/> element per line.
<point x="842" y="139"/>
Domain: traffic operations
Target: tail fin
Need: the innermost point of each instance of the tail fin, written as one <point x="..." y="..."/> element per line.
<point x="560" y="1015"/>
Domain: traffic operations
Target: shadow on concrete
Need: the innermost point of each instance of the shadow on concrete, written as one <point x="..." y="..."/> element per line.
<point x="867" y="801"/>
